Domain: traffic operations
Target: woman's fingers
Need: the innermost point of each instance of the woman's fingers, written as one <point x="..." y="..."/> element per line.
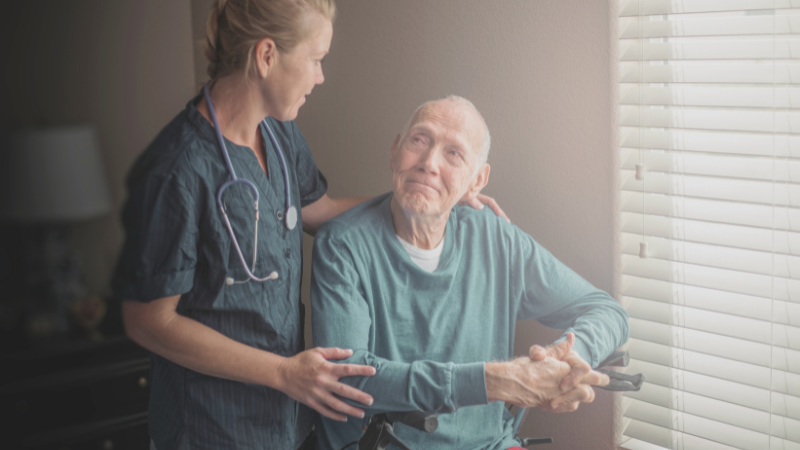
<point x="343" y="390"/>
<point x="335" y="352"/>
<point x="493" y="204"/>
<point x="326" y="411"/>
<point x="342" y="407"/>
<point x="352" y="370"/>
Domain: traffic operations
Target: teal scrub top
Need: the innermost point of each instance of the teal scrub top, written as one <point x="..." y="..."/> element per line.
<point x="429" y="334"/>
<point x="176" y="243"/>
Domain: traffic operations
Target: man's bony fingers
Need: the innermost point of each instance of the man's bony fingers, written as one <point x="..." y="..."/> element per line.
<point x="596" y="378"/>
<point x="537" y="353"/>
<point x="558" y="351"/>
<point x="576" y="375"/>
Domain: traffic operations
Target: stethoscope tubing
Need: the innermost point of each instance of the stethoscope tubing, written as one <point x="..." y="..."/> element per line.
<point x="291" y="213"/>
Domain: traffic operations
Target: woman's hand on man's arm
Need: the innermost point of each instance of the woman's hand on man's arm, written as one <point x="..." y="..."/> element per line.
<point x="306" y="377"/>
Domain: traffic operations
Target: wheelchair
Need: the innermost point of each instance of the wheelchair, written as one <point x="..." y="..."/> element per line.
<point x="379" y="432"/>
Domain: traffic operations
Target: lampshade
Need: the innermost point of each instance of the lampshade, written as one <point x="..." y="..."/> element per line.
<point x="53" y="174"/>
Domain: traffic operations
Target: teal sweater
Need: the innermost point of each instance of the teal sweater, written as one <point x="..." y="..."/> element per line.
<point x="429" y="334"/>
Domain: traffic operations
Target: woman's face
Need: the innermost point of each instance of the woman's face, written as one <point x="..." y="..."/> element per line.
<point x="297" y="72"/>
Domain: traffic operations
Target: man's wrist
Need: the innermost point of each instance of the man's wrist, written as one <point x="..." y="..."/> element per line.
<point x="498" y="376"/>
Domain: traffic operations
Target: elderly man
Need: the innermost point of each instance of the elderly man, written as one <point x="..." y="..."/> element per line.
<point x="428" y="293"/>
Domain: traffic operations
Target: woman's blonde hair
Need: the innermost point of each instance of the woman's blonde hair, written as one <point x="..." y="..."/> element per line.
<point x="234" y="27"/>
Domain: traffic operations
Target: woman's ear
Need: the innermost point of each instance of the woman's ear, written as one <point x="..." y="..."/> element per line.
<point x="266" y="54"/>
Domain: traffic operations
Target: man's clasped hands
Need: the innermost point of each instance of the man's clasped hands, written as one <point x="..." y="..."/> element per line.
<point x="553" y="378"/>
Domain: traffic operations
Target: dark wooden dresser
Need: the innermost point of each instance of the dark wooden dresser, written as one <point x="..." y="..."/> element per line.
<point x="74" y="395"/>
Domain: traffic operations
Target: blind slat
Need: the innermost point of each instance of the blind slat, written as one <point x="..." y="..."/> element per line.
<point x="727" y="26"/>
<point x="659" y="7"/>
<point x="784" y="289"/>
<point x="767" y="145"/>
<point x="750" y="261"/>
<point x="714" y="165"/>
<point x="699" y="297"/>
<point x="752" y="215"/>
<point x="731" y="97"/>
<point x="701" y="427"/>
<point x="780" y="121"/>
<point x="783" y="337"/>
<point x="734" y="236"/>
<point x="741" y="49"/>
<point x="715" y="188"/>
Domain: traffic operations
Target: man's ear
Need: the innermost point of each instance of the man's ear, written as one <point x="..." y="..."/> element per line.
<point x="393" y="154"/>
<point x="266" y="56"/>
<point x="479" y="182"/>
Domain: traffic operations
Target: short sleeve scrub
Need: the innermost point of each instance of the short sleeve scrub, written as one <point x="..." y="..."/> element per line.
<point x="176" y="243"/>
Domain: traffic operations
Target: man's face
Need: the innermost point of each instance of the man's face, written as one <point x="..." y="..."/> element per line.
<point x="434" y="164"/>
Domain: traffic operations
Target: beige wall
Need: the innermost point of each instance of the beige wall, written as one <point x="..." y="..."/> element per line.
<point x="541" y="74"/>
<point x="539" y="70"/>
<point x="124" y="66"/>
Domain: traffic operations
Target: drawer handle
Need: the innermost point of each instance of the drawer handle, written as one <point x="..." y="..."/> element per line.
<point x="143" y="382"/>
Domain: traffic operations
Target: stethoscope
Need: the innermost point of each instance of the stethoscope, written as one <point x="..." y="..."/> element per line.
<point x="291" y="211"/>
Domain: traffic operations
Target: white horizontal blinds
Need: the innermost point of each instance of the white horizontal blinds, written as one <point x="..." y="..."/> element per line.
<point x="710" y="106"/>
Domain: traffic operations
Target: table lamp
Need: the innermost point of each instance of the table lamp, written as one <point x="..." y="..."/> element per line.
<point x="50" y="178"/>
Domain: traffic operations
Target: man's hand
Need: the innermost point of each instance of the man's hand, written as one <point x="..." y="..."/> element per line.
<point x="524" y="382"/>
<point x="576" y="386"/>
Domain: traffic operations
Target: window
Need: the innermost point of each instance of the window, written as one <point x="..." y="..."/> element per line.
<point x="710" y="114"/>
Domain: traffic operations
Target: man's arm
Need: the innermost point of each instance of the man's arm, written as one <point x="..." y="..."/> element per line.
<point x="559" y="298"/>
<point x="341" y="317"/>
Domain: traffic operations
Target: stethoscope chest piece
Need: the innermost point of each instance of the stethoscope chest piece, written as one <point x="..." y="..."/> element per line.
<point x="291" y="211"/>
<point x="291" y="217"/>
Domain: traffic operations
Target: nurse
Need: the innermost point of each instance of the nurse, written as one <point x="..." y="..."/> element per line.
<point x="228" y="366"/>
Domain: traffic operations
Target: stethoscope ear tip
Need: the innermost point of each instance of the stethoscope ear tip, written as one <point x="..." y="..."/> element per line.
<point x="273" y="275"/>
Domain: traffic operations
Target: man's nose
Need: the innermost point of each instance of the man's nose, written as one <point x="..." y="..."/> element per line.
<point x="429" y="161"/>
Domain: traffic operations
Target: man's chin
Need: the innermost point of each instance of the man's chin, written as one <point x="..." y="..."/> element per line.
<point x="414" y="203"/>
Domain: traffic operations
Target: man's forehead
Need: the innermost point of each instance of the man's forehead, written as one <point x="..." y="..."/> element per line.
<point x="451" y="117"/>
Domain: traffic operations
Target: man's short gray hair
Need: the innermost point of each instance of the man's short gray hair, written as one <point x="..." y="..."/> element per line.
<point x="487" y="138"/>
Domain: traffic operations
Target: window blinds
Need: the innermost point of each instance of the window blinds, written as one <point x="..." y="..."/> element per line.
<point x="710" y="106"/>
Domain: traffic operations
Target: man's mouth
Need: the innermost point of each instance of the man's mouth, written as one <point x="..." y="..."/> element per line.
<point x="422" y="183"/>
